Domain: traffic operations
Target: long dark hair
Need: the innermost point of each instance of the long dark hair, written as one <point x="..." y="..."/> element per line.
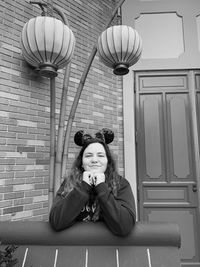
<point x="111" y="174"/>
<point x="75" y="177"/>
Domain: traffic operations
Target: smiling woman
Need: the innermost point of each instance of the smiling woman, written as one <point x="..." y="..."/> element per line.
<point x="94" y="191"/>
<point x="95" y="159"/>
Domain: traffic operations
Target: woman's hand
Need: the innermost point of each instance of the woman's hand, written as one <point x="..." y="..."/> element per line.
<point x="92" y="178"/>
<point x="87" y="177"/>
<point x="98" y="178"/>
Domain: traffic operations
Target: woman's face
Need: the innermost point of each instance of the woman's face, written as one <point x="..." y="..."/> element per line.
<point x="94" y="158"/>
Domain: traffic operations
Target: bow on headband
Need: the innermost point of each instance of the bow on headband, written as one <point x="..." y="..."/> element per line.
<point x="106" y="135"/>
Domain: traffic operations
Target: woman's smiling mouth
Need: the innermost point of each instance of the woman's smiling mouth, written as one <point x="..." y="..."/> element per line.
<point x="94" y="166"/>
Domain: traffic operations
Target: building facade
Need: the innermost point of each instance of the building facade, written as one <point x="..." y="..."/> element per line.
<point x="25" y="105"/>
<point x="153" y="110"/>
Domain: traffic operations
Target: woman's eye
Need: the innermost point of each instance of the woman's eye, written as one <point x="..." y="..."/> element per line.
<point x="88" y="155"/>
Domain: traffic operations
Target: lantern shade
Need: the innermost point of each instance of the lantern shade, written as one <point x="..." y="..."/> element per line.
<point x="119" y="47"/>
<point x="47" y="44"/>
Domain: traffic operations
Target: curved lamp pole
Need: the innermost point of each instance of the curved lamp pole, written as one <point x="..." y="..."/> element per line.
<point x="79" y="91"/>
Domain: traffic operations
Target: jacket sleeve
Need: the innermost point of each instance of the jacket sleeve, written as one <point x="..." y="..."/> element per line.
<point x="118" y="212"/>
<point x="67" y="206"/>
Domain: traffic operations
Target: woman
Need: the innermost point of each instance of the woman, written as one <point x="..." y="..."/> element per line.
<point x="94" y="190"/>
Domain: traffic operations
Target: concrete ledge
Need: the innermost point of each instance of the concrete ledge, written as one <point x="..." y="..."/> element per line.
<point x="88" y="234"/>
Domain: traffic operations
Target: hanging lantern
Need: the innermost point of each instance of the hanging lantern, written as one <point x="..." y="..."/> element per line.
<point x="119" y="47"/>
<point x="47" y="44"/>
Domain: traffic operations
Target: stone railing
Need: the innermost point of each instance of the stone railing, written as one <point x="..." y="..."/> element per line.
<point x="92" y="245"/>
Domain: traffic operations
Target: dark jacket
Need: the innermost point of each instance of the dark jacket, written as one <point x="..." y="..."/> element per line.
<point x="117" y="212"/>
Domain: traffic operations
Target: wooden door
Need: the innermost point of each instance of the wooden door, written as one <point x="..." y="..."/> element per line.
<point x="166" y="168"/>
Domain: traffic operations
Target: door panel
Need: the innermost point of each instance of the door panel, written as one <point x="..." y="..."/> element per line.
<point x="165" y="156"/>
<point x="186" y="219"/>
<point x="179" y="137"/>
<point x="152" y="135"/>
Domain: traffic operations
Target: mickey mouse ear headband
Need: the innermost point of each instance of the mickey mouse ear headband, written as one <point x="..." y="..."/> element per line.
<point x="105" y="135"/>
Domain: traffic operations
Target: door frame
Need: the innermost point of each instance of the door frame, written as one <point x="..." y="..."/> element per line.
<point x="130" y="133"/>
<point x="196" y="141"/>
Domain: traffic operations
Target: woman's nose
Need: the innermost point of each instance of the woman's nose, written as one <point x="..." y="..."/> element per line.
<point x="94" y="159"/>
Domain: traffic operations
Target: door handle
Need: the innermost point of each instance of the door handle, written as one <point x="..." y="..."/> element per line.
<point x="194" y="188"/>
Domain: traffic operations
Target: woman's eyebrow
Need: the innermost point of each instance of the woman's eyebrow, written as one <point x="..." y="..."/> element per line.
<point x="101" y="152"/>
<point x="88" y="153"/>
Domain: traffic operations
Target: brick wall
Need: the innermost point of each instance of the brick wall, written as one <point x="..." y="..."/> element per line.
<point x="25" y="105"/>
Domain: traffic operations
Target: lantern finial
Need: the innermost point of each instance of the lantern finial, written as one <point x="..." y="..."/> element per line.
<point x="121" y="69"/>
<point x="48" y="70"/>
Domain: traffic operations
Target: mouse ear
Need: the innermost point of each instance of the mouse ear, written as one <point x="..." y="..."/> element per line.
<point x="80" y="138"/>
<point x="106" y="135"/>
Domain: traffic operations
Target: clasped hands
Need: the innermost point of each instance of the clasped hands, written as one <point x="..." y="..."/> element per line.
<point x="92" y="178"/>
